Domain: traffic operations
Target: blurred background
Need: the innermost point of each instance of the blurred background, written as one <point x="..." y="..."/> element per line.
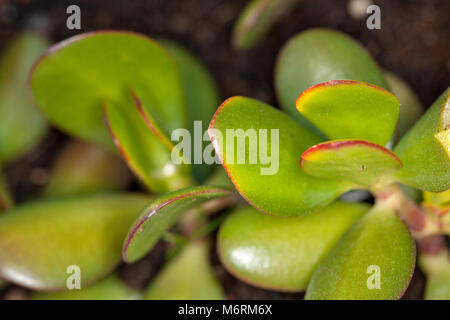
<point x="413" y="43"/>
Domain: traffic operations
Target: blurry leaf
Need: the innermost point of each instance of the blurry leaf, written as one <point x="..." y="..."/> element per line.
<point x="39" y="241"/>
<point x="436" y="266"/>
<point x="318" y="55"/>
<point x="278" y="253"/>
<point x="441" y="199"/>
<point x="160" y="214"/>
<point x="425" y="149"/>
<point x="410" y="107"/>
<point x="110" y="288"/>
<point x="277" y="186"/>
<point x="83" y="168"/>
<point x="75" y="78"/>
<point x="147" y="155"/>
<point x="374" y="260"/>
<point x="189" y="276"/>
<point x="5" y="196"/>
<point x="359" y="161"/>
<point x="21" y="124"/>
<point x="202" y="98"/>
<point x="256" y="20"/>
<point x="351" y="110"/>
<point x="219" y="178"/>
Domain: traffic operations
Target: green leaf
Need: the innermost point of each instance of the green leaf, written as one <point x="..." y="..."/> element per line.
<point x="358" y="161"/>
<point x="276" y="186"/>
<point x="39" y="241"/>
<point x="202" y="98"/>
<point x="189" y="276"/>
<point x="83" y="168"/>
<point x="374" y="260"/>
<point x="344" y="109"/>
<point x="436" y="266"/>
<point x="410" y="107"/>
<point x="278" y="253"/>
<point x="146" y="153"/>
<point x="256" y="20"/>
<point x="160" y="214"/>
<point x="73" y="80"/>
<point x="318" y="55"/>
<point x="21" y="125"/>
<point x="110" y="288"/>
<point x="425" y="149"/>
<point x="5" y="196"/>
<point x="438" y="286"/>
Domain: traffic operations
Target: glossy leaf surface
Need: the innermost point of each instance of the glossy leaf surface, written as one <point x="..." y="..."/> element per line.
<point x="318" y="55"/>
<point x="425" y="149"/>
<point x="410" y="107"/>
<point x="256" y="20"/>
<point x="189" y="276"/>
<point x="39" y="241"/>
<point x="277" y="186"/>
<point x="145" y="153"/>
<point x="21" y="125"/>
<point x="160" y="214"/>
<point x="279" y="253"/>
<point x="110" y="288"/>
<point x="353" y="160"/>
<point x="83" y="168"/>
<point x="374" y="260"/>
<point x="202" y="99"/>
<point x="351" y="110"/>
<point x="73" y="80"/>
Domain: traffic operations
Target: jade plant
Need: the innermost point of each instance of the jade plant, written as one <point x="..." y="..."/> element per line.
<point x="346" y="125"/>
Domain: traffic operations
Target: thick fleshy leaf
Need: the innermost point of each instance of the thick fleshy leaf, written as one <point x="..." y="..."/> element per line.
<point x="344" y="109"/>
<point x="202" y="99"/>
<point x="275" y="185"/>
<point x="318" y="55"/>
<point x="147" y="155"/>
<point x="256" y="20"/>
<point x="425" y="149"/>
<point x="410" y="107"/>
<point x="5" y="196"/>
<point x="21" y="124"/>
<point x="39" y="241"/>
<point x="73" y="80"/>
<point x="83" y="168"/>
<point x="279" y="253"/>
<point x="110" y="288"/>
<point x="374" y="260"/>
<point x="189" y="276"/>
<point x="160" y="214"/>
<point x="359" y="161"/>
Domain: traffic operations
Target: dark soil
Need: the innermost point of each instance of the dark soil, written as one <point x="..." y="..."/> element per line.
<point x="413" y="42"/>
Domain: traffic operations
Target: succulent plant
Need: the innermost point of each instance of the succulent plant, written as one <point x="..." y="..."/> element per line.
<point x="348" y="126"/>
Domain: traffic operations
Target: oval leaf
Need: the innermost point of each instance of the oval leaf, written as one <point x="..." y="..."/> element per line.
<point x="21" y="125"/>
<point x="160" y="215"/>
<point x="359" y="161"/>
<point x="189" y="276"/>
<point x="110" y="288"/>
<point x="73" y="80"/>
<point x="281" y="253"/>
<point x="318" y="55"/>
<point x="410" y="107"/>
<point x="83" y="168"/>
<point x="39" y="241"/>
<point x="344" y="109"/>
<point x="147" y="155"/>
<point x="425" y="149"/>
<point x="374" y="260"/>
<point x="202" y="100"/>
<point x="275" y="185"/>
<point x="256" y="20"/>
